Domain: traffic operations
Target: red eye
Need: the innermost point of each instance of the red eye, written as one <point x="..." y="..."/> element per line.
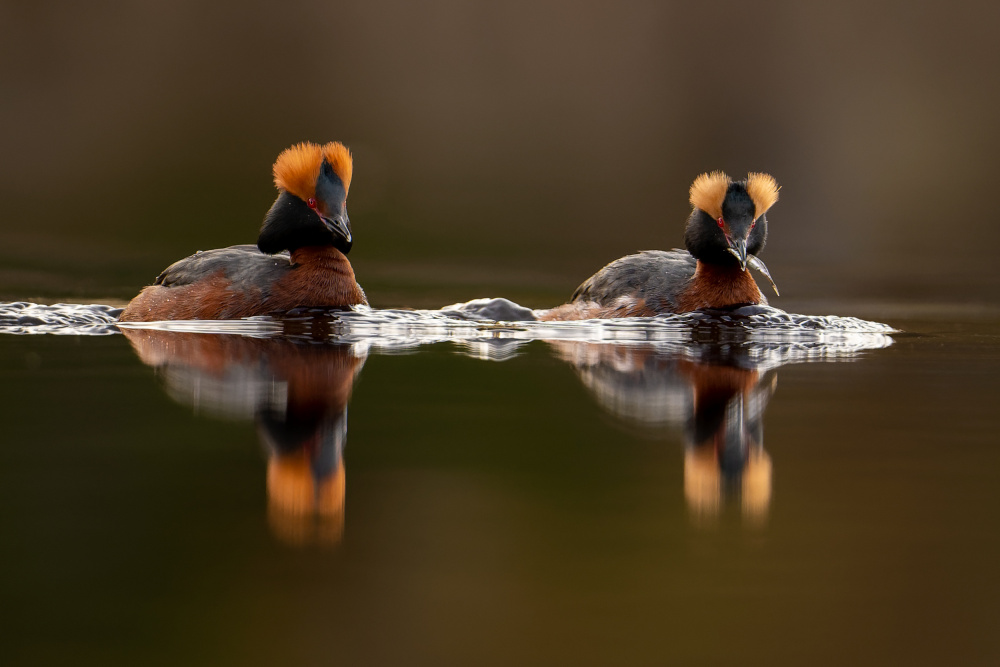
<point x="753" y="224"/>
<point x="311" y="202"/>
<point x="720" y="223"/>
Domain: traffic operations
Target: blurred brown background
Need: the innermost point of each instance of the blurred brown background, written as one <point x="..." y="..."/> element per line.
<point x="503" y="148"/>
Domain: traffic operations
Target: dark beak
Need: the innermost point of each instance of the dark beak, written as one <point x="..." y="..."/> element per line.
<point x="340" y="226"/>
<point x="738" y="249"/>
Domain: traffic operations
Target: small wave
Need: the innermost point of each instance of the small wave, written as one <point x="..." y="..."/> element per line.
<point x="496" y="328"/>
<point x="761" y="338"/>
<point x="21" y="317"/>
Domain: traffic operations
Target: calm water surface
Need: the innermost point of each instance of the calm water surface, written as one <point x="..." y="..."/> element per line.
<point x="435" y="495"/>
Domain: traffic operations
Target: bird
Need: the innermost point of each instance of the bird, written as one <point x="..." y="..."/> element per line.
<point x="725" y="232"/>
<point x="300" y="259"/>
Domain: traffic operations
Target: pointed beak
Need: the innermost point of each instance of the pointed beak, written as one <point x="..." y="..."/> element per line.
<point x="738" y="249"/>
<point x="340" y="226"/>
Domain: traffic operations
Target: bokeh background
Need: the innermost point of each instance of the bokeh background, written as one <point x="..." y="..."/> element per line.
<point x="505" y="149"/>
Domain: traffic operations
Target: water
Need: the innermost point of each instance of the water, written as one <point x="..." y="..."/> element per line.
<point x="409" y="487"/>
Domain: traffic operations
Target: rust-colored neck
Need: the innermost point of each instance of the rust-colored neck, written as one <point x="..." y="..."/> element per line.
<point x="321" y="276"/>
<point x="714" y="286"/>
<point x="325" y="256"/>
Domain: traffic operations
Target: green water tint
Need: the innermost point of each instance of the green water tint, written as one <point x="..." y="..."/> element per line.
<point x="371" y="487"/>
<point x="294" y="377"/>
<point x="708" y="375"/>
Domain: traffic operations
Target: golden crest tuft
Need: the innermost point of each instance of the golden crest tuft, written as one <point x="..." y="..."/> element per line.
<point x="708" y="191"/>
<point x="297" y="168"/>
<point x="339" y="158"/>
<point x="763" y="189"/>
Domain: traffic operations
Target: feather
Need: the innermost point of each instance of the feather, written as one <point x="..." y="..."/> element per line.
<point x="708" y="191"/>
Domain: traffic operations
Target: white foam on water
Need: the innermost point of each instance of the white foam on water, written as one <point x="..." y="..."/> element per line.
<point x="763" y="338"/>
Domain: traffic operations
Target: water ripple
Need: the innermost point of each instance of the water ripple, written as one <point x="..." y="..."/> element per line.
<point x="761" y="336"/>
<point x="21" y="317"/>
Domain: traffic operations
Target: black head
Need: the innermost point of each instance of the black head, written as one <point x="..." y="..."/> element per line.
<point x="311" y="209"/>
<point x="728" y="223"/>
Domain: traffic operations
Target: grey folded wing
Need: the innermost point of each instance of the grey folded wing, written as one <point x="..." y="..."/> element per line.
<point x="650" y="275"/>
<point x="240" y="264"/>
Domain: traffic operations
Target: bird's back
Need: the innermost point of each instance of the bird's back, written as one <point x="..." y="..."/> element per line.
<point x="226" y="283"/>
<point x="643" y="284"/>
<point x="650" y="276"/>
<point x="244" y="266"/>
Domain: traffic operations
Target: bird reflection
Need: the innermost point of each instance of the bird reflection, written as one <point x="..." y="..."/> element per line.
<point x="295" y="391"/>
<point x="715" y="394"/>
